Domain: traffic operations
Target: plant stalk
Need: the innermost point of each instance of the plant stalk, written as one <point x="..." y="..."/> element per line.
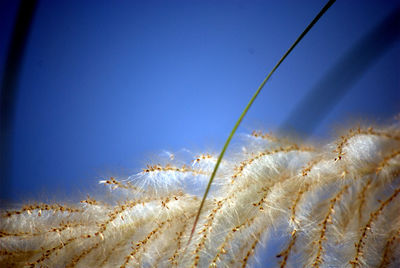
<point x="221" y="155"/>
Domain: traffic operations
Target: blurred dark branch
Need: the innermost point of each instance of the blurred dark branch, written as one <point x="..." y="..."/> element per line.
<point x="9" y="87"/>
<point x="317" y="103"/>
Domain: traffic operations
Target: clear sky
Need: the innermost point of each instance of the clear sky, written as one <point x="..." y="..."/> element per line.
<point x="105" y="86"/>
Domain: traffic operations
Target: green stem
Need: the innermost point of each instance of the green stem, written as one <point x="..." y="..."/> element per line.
<point x="313" y="22"/>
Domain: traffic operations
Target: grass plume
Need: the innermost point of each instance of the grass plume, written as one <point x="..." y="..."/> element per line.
<point x="336" y="205"/>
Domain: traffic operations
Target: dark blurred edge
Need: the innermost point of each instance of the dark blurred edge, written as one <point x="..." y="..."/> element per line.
<point x="317" y="103"/>
<point x="9" y="91"/>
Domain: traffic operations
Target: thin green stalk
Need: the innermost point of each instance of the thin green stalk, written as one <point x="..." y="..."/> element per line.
<point x="313" y="22"/>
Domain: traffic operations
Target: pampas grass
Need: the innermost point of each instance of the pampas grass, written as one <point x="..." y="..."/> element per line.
<point x="337" y="206"/>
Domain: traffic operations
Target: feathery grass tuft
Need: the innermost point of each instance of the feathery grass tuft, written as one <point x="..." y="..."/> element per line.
<point x="336" y="205"/>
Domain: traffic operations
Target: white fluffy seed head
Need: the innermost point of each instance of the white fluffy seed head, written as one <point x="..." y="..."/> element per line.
<point x="335" y="205"/>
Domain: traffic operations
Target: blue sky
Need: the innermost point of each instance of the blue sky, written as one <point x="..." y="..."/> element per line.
<point x="105" y="86"/>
